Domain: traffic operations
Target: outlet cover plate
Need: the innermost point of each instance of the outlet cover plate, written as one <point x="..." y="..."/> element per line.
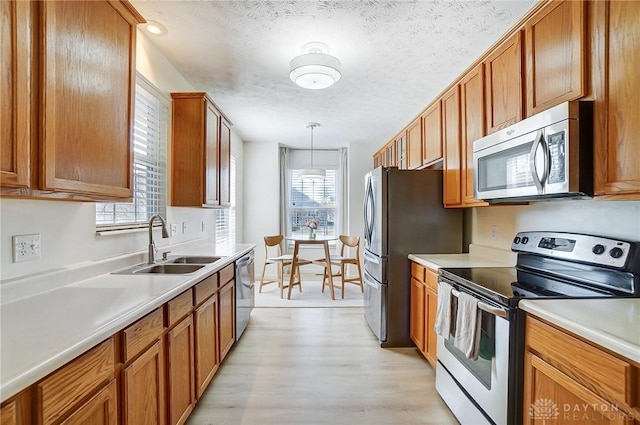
<point x="26" y="247"/>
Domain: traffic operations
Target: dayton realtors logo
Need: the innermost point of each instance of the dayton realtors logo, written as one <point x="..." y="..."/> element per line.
<point x="544" y="409"/>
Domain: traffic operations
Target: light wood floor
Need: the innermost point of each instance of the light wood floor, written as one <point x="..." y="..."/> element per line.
<point x="317" y="366"/>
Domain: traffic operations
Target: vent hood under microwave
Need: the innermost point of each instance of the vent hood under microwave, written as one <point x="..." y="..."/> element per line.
<point x="548" y="155"/>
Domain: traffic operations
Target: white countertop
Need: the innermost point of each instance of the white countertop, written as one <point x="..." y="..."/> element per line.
<point x="611" y="323"/>
<point x="478" y="256"/>
<point x="45" y="330"/>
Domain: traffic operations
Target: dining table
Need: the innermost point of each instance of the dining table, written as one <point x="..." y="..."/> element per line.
<point x="325" y="261"/>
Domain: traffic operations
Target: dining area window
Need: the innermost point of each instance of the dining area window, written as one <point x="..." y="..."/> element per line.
<point x="313" y="204"/>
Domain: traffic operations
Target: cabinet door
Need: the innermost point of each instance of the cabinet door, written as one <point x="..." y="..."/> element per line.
<point x="431" y="338"/>
<point x="503" y="68"/>
<point x="451" y="141"/>
<point x="432" y="134"/>
<point x="144" y="389"/>
<point x="473" y="128"/>
<point x="401" y="151"/>
<point x="390" y="155"/>
<point x="87" y="107"/>
<point x="227" y="316"/>
<point x="212" y="158"/>
<point x="100" y="409"/>
<point x="417" y="322"/>
<point x="414" y="144"/>
<point x="555" y="49"/>
<point x="616" y="64"/>
<point x="225" y="164"/>
<point x="206" y="339"/>
<point x="15" y="86"/>
<point x="180" y="371"/>
<point x="550" y="395"/>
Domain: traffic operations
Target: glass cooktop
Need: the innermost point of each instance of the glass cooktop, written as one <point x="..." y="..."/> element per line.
<point x="507" y="285"/>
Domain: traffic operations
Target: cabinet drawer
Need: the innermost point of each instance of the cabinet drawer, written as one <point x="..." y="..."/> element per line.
<point x="205" y="289"/>
<point x="417" y="272"/>
<point x="226" y="274"/>
<point x="141" y="334"/>
<point x="76" y="380"/>
<point x="601" y="372"/>
<point x="432" y="280"/>
<point x="179" y="307"/>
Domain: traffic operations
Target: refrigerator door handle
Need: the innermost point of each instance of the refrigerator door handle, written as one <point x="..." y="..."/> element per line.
<point x="370" y="257"/>
<point x="368" y="280"/>
<point x="369" y="211"/>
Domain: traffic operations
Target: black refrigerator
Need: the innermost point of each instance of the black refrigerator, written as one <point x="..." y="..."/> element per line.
<point x="403" y="214"/>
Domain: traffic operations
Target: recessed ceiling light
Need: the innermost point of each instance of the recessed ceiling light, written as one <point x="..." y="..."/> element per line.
<point x="155" y="28"/>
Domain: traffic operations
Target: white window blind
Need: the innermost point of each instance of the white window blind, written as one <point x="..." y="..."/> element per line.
<point x="313" y="200"/>
<point x="149" y="164"/>
<point x="226" y="218"/>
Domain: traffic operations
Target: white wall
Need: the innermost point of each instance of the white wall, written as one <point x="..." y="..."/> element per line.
<point x="261" y="196"/>
<point x="67" y="229"/>
<point x="618" y="219"/>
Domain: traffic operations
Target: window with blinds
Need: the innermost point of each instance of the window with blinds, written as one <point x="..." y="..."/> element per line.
<point x="149" y="164"/>
<point x="312" y="201"/>
<point x="226" y="218"/>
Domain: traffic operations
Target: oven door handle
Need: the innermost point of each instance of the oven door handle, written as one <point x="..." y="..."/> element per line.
<point x="485" y="307"/>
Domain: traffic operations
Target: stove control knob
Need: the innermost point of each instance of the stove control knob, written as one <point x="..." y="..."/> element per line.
<point x="598" y="249"/>
<point x="516" y="239"/>
<point x="525" y="239"/>
<point x="616" y="252"/>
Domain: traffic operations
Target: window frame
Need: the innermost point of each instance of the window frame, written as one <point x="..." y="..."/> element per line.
<point x="131" y="226"/>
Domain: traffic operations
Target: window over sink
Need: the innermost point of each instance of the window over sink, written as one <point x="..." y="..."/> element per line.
<point x="149" y="164"/>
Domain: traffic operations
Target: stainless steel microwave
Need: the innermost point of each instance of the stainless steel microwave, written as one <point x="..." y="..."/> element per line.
<point x="548" y="155"/>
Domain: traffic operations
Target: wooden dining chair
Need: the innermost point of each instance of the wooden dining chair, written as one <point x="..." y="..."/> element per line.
<point x="348" y="243"/>
<point x="273" y="255"/>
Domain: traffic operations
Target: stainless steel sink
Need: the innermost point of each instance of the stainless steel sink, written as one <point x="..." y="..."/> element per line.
<point x="171" y="268"/>
<point x="161" y="269"/>
<point x="187" y="259"/>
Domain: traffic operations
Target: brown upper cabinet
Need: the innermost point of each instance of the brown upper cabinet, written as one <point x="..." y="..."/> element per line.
<point x="15" y="110"/>
<point x="401" y="150"/>
<point x="83" y="145"/>
<point x="451" y="142"/>
<point x="616" y="41"/>
<point x="472" y="108"/>
<point x="200" y="152"/>
<point x="432" y="134"/>
<point x="414" y="144"/>
<point x="555" y="55"/>
<point x="504" y="83"/>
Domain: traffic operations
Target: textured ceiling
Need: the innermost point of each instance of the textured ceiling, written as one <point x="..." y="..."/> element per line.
<point x="396" y="57"/>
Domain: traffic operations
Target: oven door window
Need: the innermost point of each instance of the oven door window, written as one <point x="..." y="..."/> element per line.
<point x="480" y="368"/>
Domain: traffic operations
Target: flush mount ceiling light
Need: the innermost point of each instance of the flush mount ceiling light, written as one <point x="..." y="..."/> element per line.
<point x="155" y="28"/>
<point x="315" y="68"/>
<point x="312" y="173"/>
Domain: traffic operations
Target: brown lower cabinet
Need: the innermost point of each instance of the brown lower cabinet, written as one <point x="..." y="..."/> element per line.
<point x="568" y="380"/>
<point x="206" y="348"/>
<point x="151" y="372"/>
<point x="424" y="304"/>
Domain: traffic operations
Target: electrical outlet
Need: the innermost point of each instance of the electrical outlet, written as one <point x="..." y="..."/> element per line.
<point x="26" y="247"/>
<point x="494" y="232"/>
<point x="173" y="228"/>
<point x="184" y="227"/>
<point x="204" y="227"/>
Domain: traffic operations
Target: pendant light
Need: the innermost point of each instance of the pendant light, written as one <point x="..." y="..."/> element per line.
<point x="312" y="173"/>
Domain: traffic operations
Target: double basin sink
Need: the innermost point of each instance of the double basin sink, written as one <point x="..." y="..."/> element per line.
<point x="172" y="265"/>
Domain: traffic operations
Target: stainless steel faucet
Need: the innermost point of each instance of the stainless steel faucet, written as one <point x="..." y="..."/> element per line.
<point x="152" y="245"/>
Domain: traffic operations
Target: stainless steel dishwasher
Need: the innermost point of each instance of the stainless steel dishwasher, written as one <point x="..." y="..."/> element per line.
<point x="244" y="292"/>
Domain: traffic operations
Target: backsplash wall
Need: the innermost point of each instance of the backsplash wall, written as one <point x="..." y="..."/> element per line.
<point x="618" y="219"/>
